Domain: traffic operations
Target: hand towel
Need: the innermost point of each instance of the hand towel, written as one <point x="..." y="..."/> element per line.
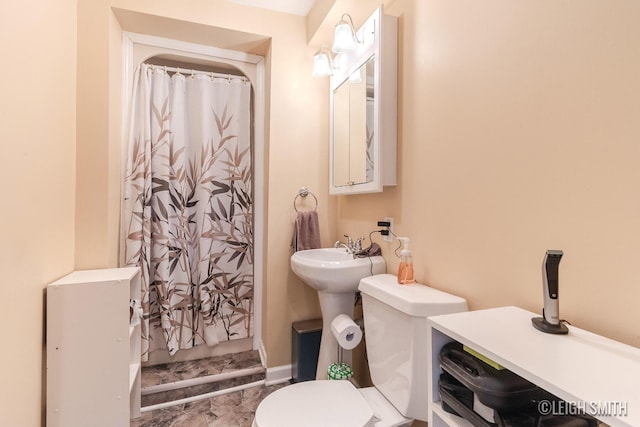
<point x="306" y="234"/>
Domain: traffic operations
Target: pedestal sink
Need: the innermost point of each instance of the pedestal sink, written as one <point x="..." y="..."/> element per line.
<point x="335" y="274"/>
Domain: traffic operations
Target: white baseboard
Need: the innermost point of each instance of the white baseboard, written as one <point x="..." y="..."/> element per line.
<point x="263" y="354"/>
<point x="277" y="375"/>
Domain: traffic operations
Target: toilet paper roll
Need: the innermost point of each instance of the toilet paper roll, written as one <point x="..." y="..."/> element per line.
<point x="347" y="333"/>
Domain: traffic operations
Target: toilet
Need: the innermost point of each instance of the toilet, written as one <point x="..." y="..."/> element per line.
<point x="395" y="319"/>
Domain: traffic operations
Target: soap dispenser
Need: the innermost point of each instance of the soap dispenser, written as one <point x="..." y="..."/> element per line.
<point x="405" y="270"/>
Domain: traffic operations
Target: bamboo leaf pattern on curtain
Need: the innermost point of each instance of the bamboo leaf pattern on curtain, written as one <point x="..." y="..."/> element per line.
<point x="188" y="208"/>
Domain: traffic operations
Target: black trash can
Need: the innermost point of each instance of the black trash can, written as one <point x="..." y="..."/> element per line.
<point x="305" y="348"/>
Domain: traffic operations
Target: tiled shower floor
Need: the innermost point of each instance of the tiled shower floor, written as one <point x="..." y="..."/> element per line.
<point x="235" y="409"/>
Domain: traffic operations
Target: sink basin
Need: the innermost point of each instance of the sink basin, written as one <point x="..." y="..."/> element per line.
<point x="334" y="270"/>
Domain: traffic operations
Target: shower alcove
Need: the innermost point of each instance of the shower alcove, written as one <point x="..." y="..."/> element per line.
<point x="184" y="57"/>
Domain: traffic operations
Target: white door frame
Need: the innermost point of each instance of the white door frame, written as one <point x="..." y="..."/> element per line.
<point x="258" y="83"/>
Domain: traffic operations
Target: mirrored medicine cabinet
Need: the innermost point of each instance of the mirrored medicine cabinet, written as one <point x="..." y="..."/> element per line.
<point x="363" y="104"/>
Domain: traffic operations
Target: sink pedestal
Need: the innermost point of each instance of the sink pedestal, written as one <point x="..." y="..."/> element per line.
<point x="332" y="305"/>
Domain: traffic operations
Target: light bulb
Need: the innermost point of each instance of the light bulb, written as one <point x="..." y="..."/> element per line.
<point x="343" y="39"/>
<point x="321" y="64"/>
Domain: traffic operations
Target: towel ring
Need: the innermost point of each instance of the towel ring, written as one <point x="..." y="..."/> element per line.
<point x="304" y="192"/>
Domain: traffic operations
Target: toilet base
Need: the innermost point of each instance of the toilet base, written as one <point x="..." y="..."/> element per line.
<point x="385" y="414"/>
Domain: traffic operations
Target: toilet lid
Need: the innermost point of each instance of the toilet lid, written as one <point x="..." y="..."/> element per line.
<point x="319" y="403"/>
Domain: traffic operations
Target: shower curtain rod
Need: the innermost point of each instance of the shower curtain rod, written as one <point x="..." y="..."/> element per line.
<point x="186" y="71"/>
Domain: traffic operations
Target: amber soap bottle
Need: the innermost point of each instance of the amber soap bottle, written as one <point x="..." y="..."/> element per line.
<point x="405" y="270"/>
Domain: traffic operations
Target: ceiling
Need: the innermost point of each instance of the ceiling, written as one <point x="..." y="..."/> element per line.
<point x="295" y="7"/>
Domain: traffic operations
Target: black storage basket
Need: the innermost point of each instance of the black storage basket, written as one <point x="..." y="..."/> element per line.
<point x="499" y="389"/>
<point x="458" y="400"/>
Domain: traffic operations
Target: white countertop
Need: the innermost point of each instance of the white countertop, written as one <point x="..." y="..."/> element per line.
<point x="96" y="276"/>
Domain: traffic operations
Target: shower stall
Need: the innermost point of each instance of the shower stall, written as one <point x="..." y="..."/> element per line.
<point x="192" y="195"/>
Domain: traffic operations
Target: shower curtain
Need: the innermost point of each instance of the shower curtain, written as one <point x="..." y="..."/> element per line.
<point x="187" y="210"/>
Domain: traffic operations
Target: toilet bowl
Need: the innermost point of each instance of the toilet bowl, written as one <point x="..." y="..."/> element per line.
<point x="395" y="318"/>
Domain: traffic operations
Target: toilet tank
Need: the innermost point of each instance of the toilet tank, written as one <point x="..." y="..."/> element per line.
<point x="395" y="322"/>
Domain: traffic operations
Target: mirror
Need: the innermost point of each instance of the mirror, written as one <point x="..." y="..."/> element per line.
<point x="363" y="111"/>
<point x="353" y="130"/>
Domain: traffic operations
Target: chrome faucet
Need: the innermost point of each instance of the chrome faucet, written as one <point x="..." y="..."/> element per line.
<point x="357" y="245"/>
<point x="352" y="247"/>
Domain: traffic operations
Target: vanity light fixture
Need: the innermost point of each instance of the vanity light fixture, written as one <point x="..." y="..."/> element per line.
<point x="344" y="38"/>
<point x="322" y="62"/>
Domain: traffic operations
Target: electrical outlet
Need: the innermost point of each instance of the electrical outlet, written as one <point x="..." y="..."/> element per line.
<point x="389" y="238"/>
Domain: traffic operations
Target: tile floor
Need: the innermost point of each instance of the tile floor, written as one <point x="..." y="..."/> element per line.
<point x="161" y="374"/>
<point x="229" y="410"/>
<point x="235" y="409"/>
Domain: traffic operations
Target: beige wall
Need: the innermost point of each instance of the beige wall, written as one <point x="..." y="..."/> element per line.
<point x="37" y="148"/>
<point x="519" y="133"/>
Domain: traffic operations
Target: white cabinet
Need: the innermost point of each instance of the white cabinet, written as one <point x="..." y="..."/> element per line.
<point x="363" y="110"/>
<point x="599" y="374"/>
<point x="93" y="349"/>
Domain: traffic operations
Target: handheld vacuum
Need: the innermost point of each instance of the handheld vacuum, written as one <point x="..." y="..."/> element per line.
<point x="550" y="321"/>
